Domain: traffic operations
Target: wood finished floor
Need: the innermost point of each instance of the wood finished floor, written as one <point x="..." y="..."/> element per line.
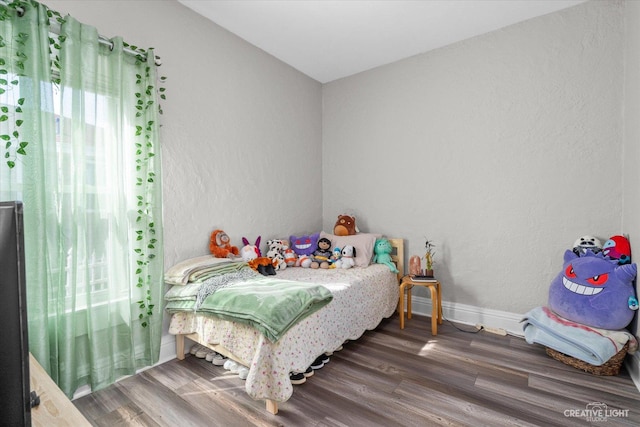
<point x="389" y="377"/>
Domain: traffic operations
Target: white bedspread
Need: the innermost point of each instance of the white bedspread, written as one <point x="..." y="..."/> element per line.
<point x="362" y="297"/>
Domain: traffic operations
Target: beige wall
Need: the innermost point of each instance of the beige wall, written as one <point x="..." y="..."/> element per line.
<point x="241" y="130"/>
<point x="241" y="135"/>
<point x="503" y="148"/>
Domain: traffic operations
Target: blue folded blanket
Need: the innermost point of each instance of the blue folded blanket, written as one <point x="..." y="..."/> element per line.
<point x="592" y="345"/>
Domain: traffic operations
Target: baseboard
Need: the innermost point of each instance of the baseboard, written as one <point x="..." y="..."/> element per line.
<point x="471" y="315"/>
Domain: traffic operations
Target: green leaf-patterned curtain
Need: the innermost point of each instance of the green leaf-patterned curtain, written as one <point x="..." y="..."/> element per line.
<point x="86" y="164"/>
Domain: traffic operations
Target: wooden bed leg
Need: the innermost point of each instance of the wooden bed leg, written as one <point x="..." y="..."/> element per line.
<point x="180" y="347"/>
<point x="272" y="406"/>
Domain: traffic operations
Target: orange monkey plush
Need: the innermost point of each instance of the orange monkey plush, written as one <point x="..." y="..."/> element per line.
<point x="220" y="247"/>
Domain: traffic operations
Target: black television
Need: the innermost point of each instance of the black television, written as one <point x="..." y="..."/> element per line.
<point x="15" y="395"/>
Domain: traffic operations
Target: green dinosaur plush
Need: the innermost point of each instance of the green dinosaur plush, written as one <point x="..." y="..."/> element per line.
<point x="382" y="251"/>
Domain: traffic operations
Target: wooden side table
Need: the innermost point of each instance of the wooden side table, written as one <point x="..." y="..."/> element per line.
<point x="436" y="301"/>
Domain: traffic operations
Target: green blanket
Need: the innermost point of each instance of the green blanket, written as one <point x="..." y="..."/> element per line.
<point x="269" y="304"/>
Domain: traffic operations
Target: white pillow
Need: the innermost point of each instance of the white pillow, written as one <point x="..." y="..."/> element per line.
<point x="363" y="242"/>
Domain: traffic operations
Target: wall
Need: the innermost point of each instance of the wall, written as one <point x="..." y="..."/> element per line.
<point x="241" y="135"/>
<point x="241" y="130"/>
<point x="499" y="147"/>
<point x="503" y="149"/>
<point x="631" y="210"/>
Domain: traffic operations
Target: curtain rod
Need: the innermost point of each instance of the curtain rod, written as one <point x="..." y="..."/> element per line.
<point x="101" y="39"/>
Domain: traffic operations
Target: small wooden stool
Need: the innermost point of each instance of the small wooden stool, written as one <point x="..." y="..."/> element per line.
<point x="436" y="301"/>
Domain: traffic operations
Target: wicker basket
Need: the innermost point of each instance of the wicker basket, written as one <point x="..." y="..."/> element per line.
<point x="610" y="367"/>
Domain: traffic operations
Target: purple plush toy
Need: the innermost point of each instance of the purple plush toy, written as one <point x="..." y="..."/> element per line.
<point x="595" y="291"/>
<point x="304" y="246"/>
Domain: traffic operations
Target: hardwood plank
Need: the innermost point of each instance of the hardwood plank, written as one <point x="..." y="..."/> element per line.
<point x="533" y="403"/>
<point x="126" y="415"/>
<point x="159" y="402"/>
<point x="102" y="402"/>
<point x="580" y="395"/>
<point x="225" y="405"/>
<point x="388" y="377"/>
<point x="449" y="403"/>
<point x="173" y="376"/>
<point x="429" y="363"/>
<point x="360" y="392"/>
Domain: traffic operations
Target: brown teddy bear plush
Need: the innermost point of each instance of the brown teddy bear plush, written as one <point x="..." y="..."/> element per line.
<point x="345" y="226"/>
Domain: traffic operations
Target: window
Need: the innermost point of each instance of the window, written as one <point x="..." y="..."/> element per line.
<point x="82" y="153"/>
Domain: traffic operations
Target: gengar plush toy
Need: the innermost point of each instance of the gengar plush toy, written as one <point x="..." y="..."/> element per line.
<point x="382" y="251"/>
<point x="304" y="246"/>
<point x="220" y="246"/>
<point x="345" y="226"/>
<point x="594" y="291"/>
<point x="322" y="255"/>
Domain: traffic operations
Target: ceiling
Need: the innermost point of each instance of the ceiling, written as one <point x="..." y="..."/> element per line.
<point x="328" y="39"/>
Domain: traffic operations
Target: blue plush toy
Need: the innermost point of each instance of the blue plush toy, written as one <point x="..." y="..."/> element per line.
<point x="595" y="291"/>
<point x="382" y="251"/>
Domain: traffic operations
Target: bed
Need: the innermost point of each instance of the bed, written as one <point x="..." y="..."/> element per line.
<point x="360" y="298"/>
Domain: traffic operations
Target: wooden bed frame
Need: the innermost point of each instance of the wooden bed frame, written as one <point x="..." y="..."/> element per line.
<point x="272" y="406"/>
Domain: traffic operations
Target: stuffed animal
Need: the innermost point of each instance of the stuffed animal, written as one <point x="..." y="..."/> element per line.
<point x="246" y="242"/>
<point x="584" y="243"/>
<point x="594" y="290"/>
<point x="347" y="257"/>
<point x="303" y="247"/>
<point x="618" y="248"/>
<point x="262" y="265"/>
<point x="276" y="252"/>
<point x="249" y="252"/>
<point x="290" y="257"/>
<point x="322" y="255"/>
<point x="382" y="251"/>
<point x="337" y="254"/>
<point x="220" y="246"/>
<point x="345" y="226"/>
